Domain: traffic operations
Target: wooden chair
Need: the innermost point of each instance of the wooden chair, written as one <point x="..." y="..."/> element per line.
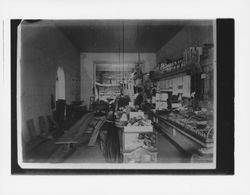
<point x="53" y="125"/>
<point x="35" y="139"/>
<point x="31" y="128"/>
<point x="42" y="125"/>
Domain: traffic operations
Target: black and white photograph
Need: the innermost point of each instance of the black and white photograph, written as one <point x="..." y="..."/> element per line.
<point x="124" y="97"/>
<point x="117" y="94"/>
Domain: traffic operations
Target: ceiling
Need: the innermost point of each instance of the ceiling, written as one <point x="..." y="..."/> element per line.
<point x="108" y="36"/>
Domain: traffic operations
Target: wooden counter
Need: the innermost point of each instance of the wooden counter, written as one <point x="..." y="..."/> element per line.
<point x="132" y="148"/>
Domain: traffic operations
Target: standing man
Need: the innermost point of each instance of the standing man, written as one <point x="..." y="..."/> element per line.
<point x="138" y="98"/>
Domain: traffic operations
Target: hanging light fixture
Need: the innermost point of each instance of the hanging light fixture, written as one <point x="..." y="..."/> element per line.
<point x="138" y="63"/>
<point x="119" y="75"/>
<point x="122" y="53"/>
<point x="122" y="71"/>
<point x="139" y="57"/>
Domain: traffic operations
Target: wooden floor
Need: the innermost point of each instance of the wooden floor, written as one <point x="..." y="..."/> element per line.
<point x="105" y="149"/>
<point x="167" y="152"/>
<point x="86" y="154"/>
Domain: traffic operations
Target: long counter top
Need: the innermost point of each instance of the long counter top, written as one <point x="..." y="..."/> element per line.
<point x="199" y="147"/>
<point x="203" y="136"/>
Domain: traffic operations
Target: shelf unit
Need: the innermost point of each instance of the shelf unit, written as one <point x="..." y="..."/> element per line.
<point x="158" y="76"/>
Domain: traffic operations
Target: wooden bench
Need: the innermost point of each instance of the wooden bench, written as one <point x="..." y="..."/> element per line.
<point x="96" y="131"/>
<point x="71" y="137"/>
<point x="35" y="138"/>
<point x="52" y="123"/>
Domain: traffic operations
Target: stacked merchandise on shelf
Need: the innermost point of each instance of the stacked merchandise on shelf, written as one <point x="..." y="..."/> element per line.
<point x="108" y="92"/>
<point x="191" y="55"/>
<point x="161" y="100"/>
<point x="176" y="86"/>
<point x="171" y="66"/>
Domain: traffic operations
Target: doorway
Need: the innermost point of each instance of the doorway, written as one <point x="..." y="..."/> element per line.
<point x="113" y="78"/>
<point x="60" y="96"/>
<point x="60" y="83"/>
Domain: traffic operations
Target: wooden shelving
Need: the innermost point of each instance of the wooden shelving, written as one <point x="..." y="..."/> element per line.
<point x="158" y="75"/>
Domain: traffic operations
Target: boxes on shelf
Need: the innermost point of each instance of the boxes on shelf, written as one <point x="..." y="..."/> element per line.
<point x="161" y="100"/>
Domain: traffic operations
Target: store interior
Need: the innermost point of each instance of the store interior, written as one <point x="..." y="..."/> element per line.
<point x="117" y="91"/>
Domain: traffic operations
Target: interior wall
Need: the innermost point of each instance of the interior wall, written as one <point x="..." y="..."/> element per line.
<point x="43" y="49"/>
<point x="195" y="34"/>
<point x="87" y="61"/>
<point x="190" y="35"/>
